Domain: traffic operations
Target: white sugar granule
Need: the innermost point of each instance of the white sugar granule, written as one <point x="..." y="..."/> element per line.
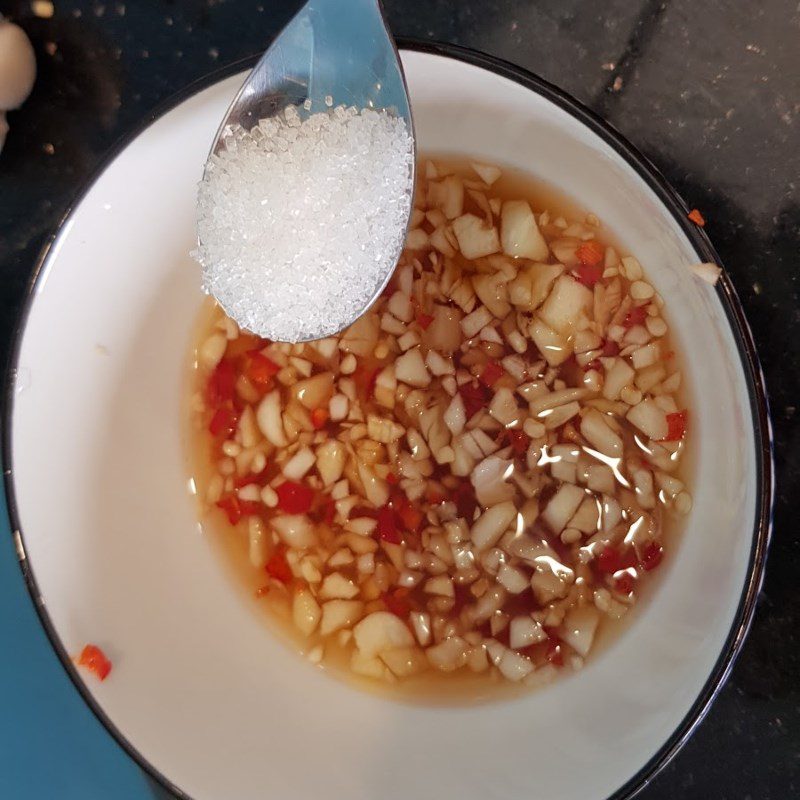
<point x="300" y="222"/>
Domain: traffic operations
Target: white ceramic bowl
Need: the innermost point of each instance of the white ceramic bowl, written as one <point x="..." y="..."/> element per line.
<point x="200" y="695"/>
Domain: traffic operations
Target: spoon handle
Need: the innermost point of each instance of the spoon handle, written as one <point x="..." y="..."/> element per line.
<point x="348" y="54"/>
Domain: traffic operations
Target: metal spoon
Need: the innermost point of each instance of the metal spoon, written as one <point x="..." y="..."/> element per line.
<point x="331" y="49"/>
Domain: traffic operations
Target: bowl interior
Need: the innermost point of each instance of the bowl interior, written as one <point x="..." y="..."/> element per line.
<point x="199" y="689"/>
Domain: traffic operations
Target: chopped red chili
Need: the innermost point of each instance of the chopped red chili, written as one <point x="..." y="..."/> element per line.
<point x="608" y="561"/>
<point x="221" y="384"/>
<point x="475" y="397"/>
<point x="410" y="516"/>
<point x="519" y="441"/>
<point x="94" y="659"/>
<point x="591" y="253"/>
<point x="465" y="500"/>
<point x="492" y="373"/>
<point x="676" y="426"/>
<point x="610" y="348"/>
<point x="435" y="496"/>
<point x="652" y="555"/>
<point x="397" y="603"/>
<point x="589" y="274"/>
<point x="424" y="320"/>
<point x="696" y="217"/>
<point x="327" y="511"/>
<point x="230" y="505"/>
<point x="636" y="316"/>
<point x="319" y="416"/>
<point x="554" y="653"/>
<point x="244" y="343"/>
<point x="624" y="583"/>
<point x="260" y="370"/>
<point x="387" y="525"/>
<point x="294" y="498"/>
<point x="278" y="567"/>
<point x="235" y="508"/>
<point x="611" y="559"/>
<point x="223" y="423"/>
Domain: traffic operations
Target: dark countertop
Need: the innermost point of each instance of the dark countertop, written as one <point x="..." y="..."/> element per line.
<point x="709" y="91"/>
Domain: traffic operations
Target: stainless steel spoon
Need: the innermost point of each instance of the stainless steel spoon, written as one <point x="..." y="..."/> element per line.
<point x="331" y="50"/>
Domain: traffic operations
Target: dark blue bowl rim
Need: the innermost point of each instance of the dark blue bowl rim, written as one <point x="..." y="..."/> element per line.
<point x="756" y="385"/>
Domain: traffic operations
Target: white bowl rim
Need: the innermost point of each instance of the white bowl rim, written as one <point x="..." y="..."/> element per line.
<point x="674" y="205"/>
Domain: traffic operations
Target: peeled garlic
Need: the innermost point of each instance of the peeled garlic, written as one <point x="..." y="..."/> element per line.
<point x="17" y="68"/>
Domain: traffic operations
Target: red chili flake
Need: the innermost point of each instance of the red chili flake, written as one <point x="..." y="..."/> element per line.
<point x="260" y="370"/>
<point x="475" y="397"/>
<point x="492" y="373"/>
<point x="387" y="525"/>
<point x="591" y="253"/>
<point x="278" y="567"/>
<point x="294" y="498"/>
<point x="319" y="416"/>
<point x="397" y="603"/>
<point x="519" y="441"/>
<point x="94" y="659"/>
<point x="594" y="364"/>
<point x="636" y="316"/>
<point x="696" y="217"/>
<point x="232" y="508"/>
<point x="223" y="423"/>
<point x="652" y="555"/>
<point x="610" y="348"/>
<point x="624" y="583"/>
<point x="221" y="384"/>
<point x="676" y="426"/>
<point x="424" y="320"/>
<point x="392" y="479"/>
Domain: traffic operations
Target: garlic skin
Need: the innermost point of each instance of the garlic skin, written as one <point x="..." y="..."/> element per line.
<point x="17" y="71"/>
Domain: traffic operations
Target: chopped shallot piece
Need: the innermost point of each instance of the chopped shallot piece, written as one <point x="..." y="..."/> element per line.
<point x="475" y="238"/>
<point x="521" y="237"/>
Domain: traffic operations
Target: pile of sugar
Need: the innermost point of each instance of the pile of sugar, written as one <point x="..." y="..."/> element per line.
<point x="300" y="221"/>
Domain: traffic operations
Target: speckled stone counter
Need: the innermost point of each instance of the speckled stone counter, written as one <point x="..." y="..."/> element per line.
<point x="709" y="91"/>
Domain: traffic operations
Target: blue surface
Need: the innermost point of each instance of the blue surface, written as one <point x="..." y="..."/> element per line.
<point x="51" y="745"/>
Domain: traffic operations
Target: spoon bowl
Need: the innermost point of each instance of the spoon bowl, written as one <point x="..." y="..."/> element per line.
<point x="332" y="52"/>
